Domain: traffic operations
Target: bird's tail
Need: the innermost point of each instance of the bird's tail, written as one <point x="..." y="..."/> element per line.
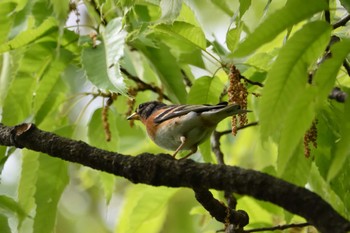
<point x="216" y="115"/>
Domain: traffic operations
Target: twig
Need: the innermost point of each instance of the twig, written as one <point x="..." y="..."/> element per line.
<point x="251" y="82"/>
<point x="346" y="66"/>
<point x="280" y="227"/>
<point x="341" y="22"/>
<point x="143" y="86"/>
<point x="218" y="210"/>
<point x="327" y="16"/>
<point x="238" y="128"/>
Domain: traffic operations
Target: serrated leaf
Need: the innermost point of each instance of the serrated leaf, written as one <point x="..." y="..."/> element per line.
<point x="30" y="35"/>
<point x="282" y="19"/>
<point x="101" y="63"/>
<point x="185" y="32"/>
<point x="288" y="76"/>
<point x="114" y="38"/>
<point x="170" y="9"/>
<point x="205" y="90"/>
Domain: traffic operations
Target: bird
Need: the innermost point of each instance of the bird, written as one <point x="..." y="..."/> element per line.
<point x="182" y="126"/>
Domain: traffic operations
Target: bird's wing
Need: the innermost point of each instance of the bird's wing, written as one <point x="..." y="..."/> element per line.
<point x="172" y="111"/>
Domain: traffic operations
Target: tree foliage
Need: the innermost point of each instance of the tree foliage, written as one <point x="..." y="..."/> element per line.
<point x="79" y="68"/>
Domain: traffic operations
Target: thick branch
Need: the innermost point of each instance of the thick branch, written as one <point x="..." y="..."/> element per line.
<point x="163" y="170"/>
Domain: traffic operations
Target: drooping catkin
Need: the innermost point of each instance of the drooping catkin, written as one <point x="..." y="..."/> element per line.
<point x="237" y="93"/>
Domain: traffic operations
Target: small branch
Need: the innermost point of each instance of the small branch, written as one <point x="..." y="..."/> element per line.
<point x="327" y="16"/>
<point x="281" y="227"/>
<point x="341" y="22"/>
<point x="251" y="82"/>
<point x="186" y="78"/>
<point x="143" y="86"/>
<point x="346" y="66"/>
<point x="238" y="128"/>
<point x="219" y="211"/>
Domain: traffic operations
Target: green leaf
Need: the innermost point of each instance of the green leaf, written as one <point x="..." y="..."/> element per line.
<point x="101" y="63"/>
<point x="244" y="6"/>
<point x="50" y="86"/>
<point x="28" y="178"/>
<point x="6" y="19"/>
<point x="232" y="37"/>
<point x="17" y="106"/>
<point x="185" y="32"/>
<point x="30" y="36"/>
<point x="5" y="76"/>
<point x="325" y="78"/>
<point x="96" y="132"/>
<point x="168" y="71"/>
<point x="4" y="224"/>
<point x="61" y="9"/>
<point x="170" y="9"/>
<point x="224" y="5"/>
<point x="322" y="188"/>
<point x="107" y="181"/>
<point x="10" y="206"/>
<point x="52" y="179"/>
<point x="345" y="4"/>
<point x="293" y="12"/>
<point x="41" y="10"/>
<point x="144" y="208"/>
<point x="187" y="15"/>
<point x="114" y="37"/>
<point x="288" y="77"/>
<point x="297" y="121"/>
<point x="205" y="150"/>
<point x="205" y="90"/>
<point x="326" y="74"/>
<point x="184" y="40"/>
<point x="342" y="152"/>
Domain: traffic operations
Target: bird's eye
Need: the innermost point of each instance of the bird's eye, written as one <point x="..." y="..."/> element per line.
<point x="141" y="106"/>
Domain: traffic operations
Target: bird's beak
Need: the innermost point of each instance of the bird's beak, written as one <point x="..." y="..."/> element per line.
<point x="134" y="116"/>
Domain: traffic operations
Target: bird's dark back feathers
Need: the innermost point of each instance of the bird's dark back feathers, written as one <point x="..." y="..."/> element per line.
<point x="146" y="109"/>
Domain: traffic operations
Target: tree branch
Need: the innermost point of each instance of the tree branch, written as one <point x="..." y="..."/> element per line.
<point x="163" y="170"/>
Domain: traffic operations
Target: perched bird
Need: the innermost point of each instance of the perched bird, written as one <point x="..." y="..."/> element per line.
<point x="182" y="127"/>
